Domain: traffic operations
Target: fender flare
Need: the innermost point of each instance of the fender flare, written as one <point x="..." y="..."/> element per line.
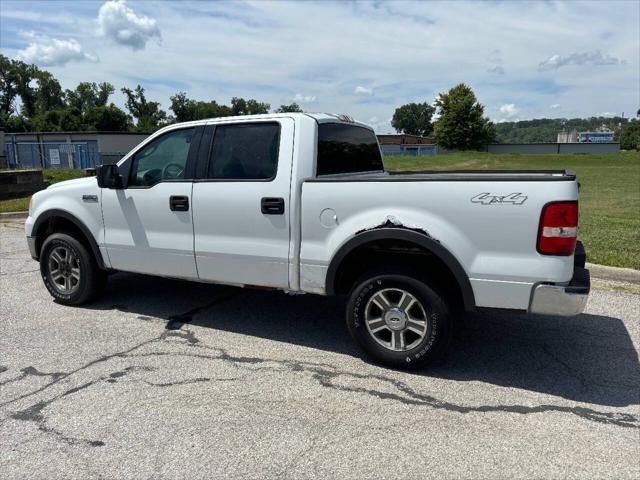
<point x="413" y="236"/>
<point x="45" y="216"/>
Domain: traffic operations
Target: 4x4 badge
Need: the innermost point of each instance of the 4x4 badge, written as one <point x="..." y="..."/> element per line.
<point x="488" y="199"/>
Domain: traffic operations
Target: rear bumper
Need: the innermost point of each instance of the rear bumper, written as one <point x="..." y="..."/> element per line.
<point x="564" y="300"/>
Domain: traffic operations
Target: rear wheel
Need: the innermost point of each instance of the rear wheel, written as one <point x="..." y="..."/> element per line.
<point x="398" y="319"/>
<point x="69" y="271"/>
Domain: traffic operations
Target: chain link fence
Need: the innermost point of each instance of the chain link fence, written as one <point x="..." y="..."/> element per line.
<point x="26" y="155"/>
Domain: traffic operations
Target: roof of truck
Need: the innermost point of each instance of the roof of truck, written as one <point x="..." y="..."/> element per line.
<point x="318" y="117"/>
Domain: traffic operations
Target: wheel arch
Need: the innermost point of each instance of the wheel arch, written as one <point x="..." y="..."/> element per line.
<point x="50" y="220"/>
<point x="415" y="237"/>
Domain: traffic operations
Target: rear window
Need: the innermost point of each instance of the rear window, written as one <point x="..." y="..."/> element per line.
<point x="347" y="149"/>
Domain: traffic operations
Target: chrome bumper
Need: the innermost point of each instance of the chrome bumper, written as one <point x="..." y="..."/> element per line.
<point x="31" y="242"/>
<point x="567" y="300"/>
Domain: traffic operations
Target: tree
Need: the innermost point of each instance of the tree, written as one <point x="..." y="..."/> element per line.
<point x="16" y="81"/>
<point x="240" y="106"/>
<point x="182" y="108"/>
<point x="186" y="110"/>
<point x="149" y="116"/>
<point x="47" y="95"/>
<point x="47" y="121"/>
<point x="107" y="119"/>
<point x="8" y="86"/>
<point x="15" y="123"/>
<point x="413" y="119"/>
<point x="461" y="124"/>
<point x="89" y="94"/>
<point x="292" y="108"/>
<point x="630" y="138"/>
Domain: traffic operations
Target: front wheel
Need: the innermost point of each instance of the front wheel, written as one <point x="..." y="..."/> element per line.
<point x="398" y="320"/>
<point x="69" y="271"/>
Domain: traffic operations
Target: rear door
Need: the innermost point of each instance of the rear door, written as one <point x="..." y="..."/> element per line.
<point x="241" y="202"/>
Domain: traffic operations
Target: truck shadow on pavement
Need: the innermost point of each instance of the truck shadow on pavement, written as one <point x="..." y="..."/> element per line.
<point x="588" y="358"/>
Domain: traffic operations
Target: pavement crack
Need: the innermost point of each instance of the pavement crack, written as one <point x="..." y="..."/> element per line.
<point x="22" y="272"/>
<point x="187" y="382"/>
<point x="325" y="376"/>
<point x="178" y="320"/>
<point x="31" y="371"/>
<point x="64" y="375"/>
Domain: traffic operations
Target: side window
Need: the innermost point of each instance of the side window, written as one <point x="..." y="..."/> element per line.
<point x="347" y="149"/>
<point x="165" y="158"/>
<point x="245" y="152"/>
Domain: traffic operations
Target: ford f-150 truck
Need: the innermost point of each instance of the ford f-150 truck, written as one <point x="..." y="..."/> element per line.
<point x="301" y="203"/>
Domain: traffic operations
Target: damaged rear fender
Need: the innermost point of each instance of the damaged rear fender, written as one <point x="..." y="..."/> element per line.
<point x="390" y="231"/>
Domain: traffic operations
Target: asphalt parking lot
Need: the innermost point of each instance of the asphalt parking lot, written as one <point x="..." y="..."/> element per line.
<point x="170" y="379"/>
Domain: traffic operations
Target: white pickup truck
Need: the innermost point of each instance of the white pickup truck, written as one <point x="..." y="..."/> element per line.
<point x="301" y="203"/>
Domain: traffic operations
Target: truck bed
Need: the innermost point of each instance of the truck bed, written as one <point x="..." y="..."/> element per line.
<point x="495" y="242"/>
<point x="453" y="175"/>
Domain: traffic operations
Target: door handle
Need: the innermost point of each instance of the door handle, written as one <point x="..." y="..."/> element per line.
<point x="179" y="203"/>
<point x="272" y="205"/>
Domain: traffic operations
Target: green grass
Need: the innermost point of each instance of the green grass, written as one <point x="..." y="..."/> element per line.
<point x="51" y="175"/>
<point x="55" y="175"/>
<point x="609" y="194"/>
<point x="14" y="205"/>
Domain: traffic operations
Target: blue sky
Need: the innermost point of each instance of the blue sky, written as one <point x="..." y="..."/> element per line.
<point x="523" y="59"/>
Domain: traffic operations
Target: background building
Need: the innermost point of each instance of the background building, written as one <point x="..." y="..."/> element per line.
<point x="602" y="135"/>
<point x="568" y="137"/>
<point x="67" y="149"/>
<point x="403" y="144"/>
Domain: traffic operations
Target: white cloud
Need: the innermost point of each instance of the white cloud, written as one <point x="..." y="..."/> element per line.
<point x="509" y="110"/>
<point x="607" y="114"/>
<point x="585" y="58"/>
<point x="45" y="51"/>
<point x="218" y="50"/>
<point x="555" y="106"/>
<point x="120" y="23"/>
<point x="364" y="91"/>
<point x="497" y="69"/>
<point x="300" y="98"/>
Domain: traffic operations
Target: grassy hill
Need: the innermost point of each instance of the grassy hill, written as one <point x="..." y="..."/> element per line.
<point x="546" y="129"/>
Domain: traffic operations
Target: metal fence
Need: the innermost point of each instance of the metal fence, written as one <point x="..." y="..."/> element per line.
<point x="541" y="148"/>
<point x="53" y="154"/>
<point x="417" y="150"/>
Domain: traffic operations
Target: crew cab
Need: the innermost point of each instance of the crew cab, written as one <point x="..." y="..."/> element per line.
<point x="302" y="203"/>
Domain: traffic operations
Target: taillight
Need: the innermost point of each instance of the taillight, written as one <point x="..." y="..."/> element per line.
<point x="558" y="228"/>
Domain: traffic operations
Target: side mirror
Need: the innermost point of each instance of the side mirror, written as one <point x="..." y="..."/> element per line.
<point x="109" y="177"/>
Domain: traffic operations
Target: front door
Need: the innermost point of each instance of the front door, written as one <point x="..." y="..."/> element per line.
<point x="241" y="204"/>
<point x="148" y="225"/>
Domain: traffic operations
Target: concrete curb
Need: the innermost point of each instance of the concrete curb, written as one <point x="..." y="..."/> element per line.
<point x="616" y="274"/>
<point x="12" y="215"/>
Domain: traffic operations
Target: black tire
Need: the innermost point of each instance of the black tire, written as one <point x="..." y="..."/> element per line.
<point x="91" y="281"/>
<point x="432" y="307"/>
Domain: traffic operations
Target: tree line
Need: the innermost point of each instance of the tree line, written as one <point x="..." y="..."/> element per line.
<point x="46" y="107"/>
<point x="459" y="124"/>
<point x="544" y="130"/>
